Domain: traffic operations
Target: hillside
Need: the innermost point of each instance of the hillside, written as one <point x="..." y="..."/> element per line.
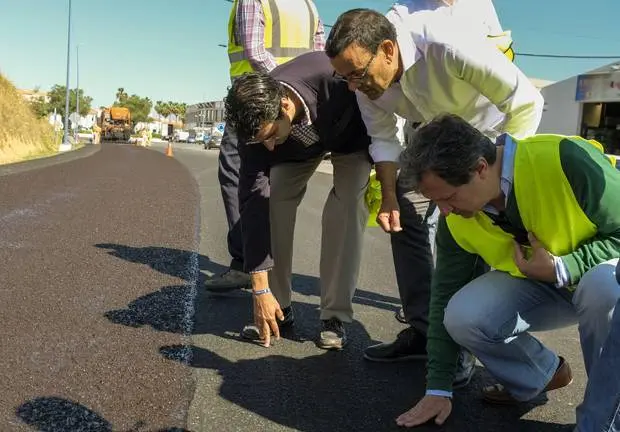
<point x="22" y="135"/>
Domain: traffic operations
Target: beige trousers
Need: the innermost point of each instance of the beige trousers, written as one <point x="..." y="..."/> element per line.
<point x="343" y="223"/>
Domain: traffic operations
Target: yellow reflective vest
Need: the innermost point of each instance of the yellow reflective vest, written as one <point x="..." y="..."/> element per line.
<point x="547" y="206"/>
<point x="289" y="32"/>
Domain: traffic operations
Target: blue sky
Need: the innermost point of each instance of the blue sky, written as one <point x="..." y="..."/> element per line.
<point x="168" y="50"/>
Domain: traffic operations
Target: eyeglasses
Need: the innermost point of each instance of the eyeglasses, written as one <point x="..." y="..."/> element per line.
<point x="356" y="79"/>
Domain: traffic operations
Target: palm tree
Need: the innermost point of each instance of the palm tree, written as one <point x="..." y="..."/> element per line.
<point x="121" y="95"/>
<point x="163" y="109"/>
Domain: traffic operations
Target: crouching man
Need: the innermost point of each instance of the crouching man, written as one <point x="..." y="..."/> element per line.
<point x="543" y="212"/>
<point x="286" y="121"/>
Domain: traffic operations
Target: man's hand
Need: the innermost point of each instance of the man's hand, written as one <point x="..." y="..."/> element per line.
<point x="430" y="407"/>
<point x="266" y="310"/>
<point x="540" y="266"/>
<point x="388" y="217"/>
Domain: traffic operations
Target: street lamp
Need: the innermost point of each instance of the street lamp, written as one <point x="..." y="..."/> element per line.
<point x="66" y="145"/>
<point x="77" y="96"/>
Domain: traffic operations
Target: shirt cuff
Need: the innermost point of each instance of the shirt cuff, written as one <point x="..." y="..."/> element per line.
<point x="442" y="393"/>
<point x="385" y="151"/>
<point x="562" y="277"/>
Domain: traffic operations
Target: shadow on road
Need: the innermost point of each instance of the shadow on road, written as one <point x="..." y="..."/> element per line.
<point x="335" y="391"/>
<point x="54" y="414"/>
<point x="173" y="262"/>
<point x="323" y="391"/>
<point x="178" y="263"/>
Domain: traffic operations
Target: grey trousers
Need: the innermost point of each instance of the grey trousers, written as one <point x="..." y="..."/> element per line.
<point x="343" y="223"/>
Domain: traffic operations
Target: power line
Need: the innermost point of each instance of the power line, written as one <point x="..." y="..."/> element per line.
<point x="590" y="57"/>
<point x="538" y="55"/>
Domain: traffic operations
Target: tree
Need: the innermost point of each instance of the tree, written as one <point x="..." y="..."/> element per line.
<point x="121" y="95"/>
<point x="139" y="107"/>
<point x="39" y="107"/>
<point x="57" y="101"/>
<point x="163" y="108"/>
<point x="178" y="109"/>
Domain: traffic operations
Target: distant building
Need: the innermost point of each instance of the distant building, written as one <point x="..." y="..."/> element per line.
<point x="204" y="114"/>
<point x="587" y="104"/>
<point x="32" y="95"/>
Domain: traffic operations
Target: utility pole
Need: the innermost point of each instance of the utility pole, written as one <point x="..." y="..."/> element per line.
<point x="66" y="145"/>
<point x="77" y="96"/>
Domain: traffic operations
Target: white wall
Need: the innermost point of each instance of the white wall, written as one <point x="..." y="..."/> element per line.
<point x="562" y="114"/>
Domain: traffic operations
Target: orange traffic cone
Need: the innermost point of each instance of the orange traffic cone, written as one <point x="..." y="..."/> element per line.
<point x="169" y="150"/>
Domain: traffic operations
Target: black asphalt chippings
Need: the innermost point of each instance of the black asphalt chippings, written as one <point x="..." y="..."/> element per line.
<point x="108" y="327"/>
<point x="293" y="385"/>
<point x="81" y="240"/>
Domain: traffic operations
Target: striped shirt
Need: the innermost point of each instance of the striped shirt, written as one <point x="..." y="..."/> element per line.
<point x="250" y="32"/>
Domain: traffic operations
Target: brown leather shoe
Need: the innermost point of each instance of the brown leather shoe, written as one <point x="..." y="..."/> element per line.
<point x="498" y="395"/>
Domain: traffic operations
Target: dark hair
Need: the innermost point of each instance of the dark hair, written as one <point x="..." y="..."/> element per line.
<point x="364" y="27"/>
<point x="253" y="99"/>
<point x="449" y="147"/>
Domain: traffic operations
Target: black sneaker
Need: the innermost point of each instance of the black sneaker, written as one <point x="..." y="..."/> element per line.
<point x="332" y="336"/>
<point x="410" y="344"/>
<point x="251" y="332"/>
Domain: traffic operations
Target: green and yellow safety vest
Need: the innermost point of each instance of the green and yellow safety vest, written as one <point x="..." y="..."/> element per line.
<point x="547" y="206"/>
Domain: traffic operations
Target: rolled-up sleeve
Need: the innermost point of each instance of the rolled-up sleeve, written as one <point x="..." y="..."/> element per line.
<point x="250" y="22"/>
<point x="254" y="207"/>
<point x="382" y="129"/>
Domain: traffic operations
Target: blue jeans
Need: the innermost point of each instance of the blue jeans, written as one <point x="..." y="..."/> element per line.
<point x="600" y="410"/>
<point x="493" y="315"/>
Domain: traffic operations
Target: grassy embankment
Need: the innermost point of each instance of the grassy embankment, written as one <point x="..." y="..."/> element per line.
<point x="23" y="136"/>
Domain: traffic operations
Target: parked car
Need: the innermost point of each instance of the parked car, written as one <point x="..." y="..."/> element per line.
<point x="180" y="136"/>
<point x="213" y="141"/>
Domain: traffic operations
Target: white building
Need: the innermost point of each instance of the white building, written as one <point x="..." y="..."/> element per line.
<point x="204" y="115"/>
<point x="587" y="105"/>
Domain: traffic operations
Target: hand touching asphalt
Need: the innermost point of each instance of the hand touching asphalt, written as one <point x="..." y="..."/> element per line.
<point x="266" y="310"/>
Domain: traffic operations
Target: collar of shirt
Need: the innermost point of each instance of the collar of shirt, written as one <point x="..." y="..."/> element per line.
<point x="508" y="170"/>
<point x="306" y="120"/>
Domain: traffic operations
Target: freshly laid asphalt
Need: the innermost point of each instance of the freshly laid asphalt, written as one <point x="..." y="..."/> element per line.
<point x="107" y="327"/>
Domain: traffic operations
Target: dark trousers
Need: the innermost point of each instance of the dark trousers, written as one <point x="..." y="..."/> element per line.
<point x="413" y="253"/>
<point x="228" y="176"/>
<point x="413" y="249"/>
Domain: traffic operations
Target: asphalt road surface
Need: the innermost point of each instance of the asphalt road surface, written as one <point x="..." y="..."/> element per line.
<point x="107" y="327"/>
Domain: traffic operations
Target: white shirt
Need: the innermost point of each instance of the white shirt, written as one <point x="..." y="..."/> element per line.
<point x="450" y="67"/>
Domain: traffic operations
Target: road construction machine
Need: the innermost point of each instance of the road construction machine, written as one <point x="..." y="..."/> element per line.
<point x="115" y="123"/>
